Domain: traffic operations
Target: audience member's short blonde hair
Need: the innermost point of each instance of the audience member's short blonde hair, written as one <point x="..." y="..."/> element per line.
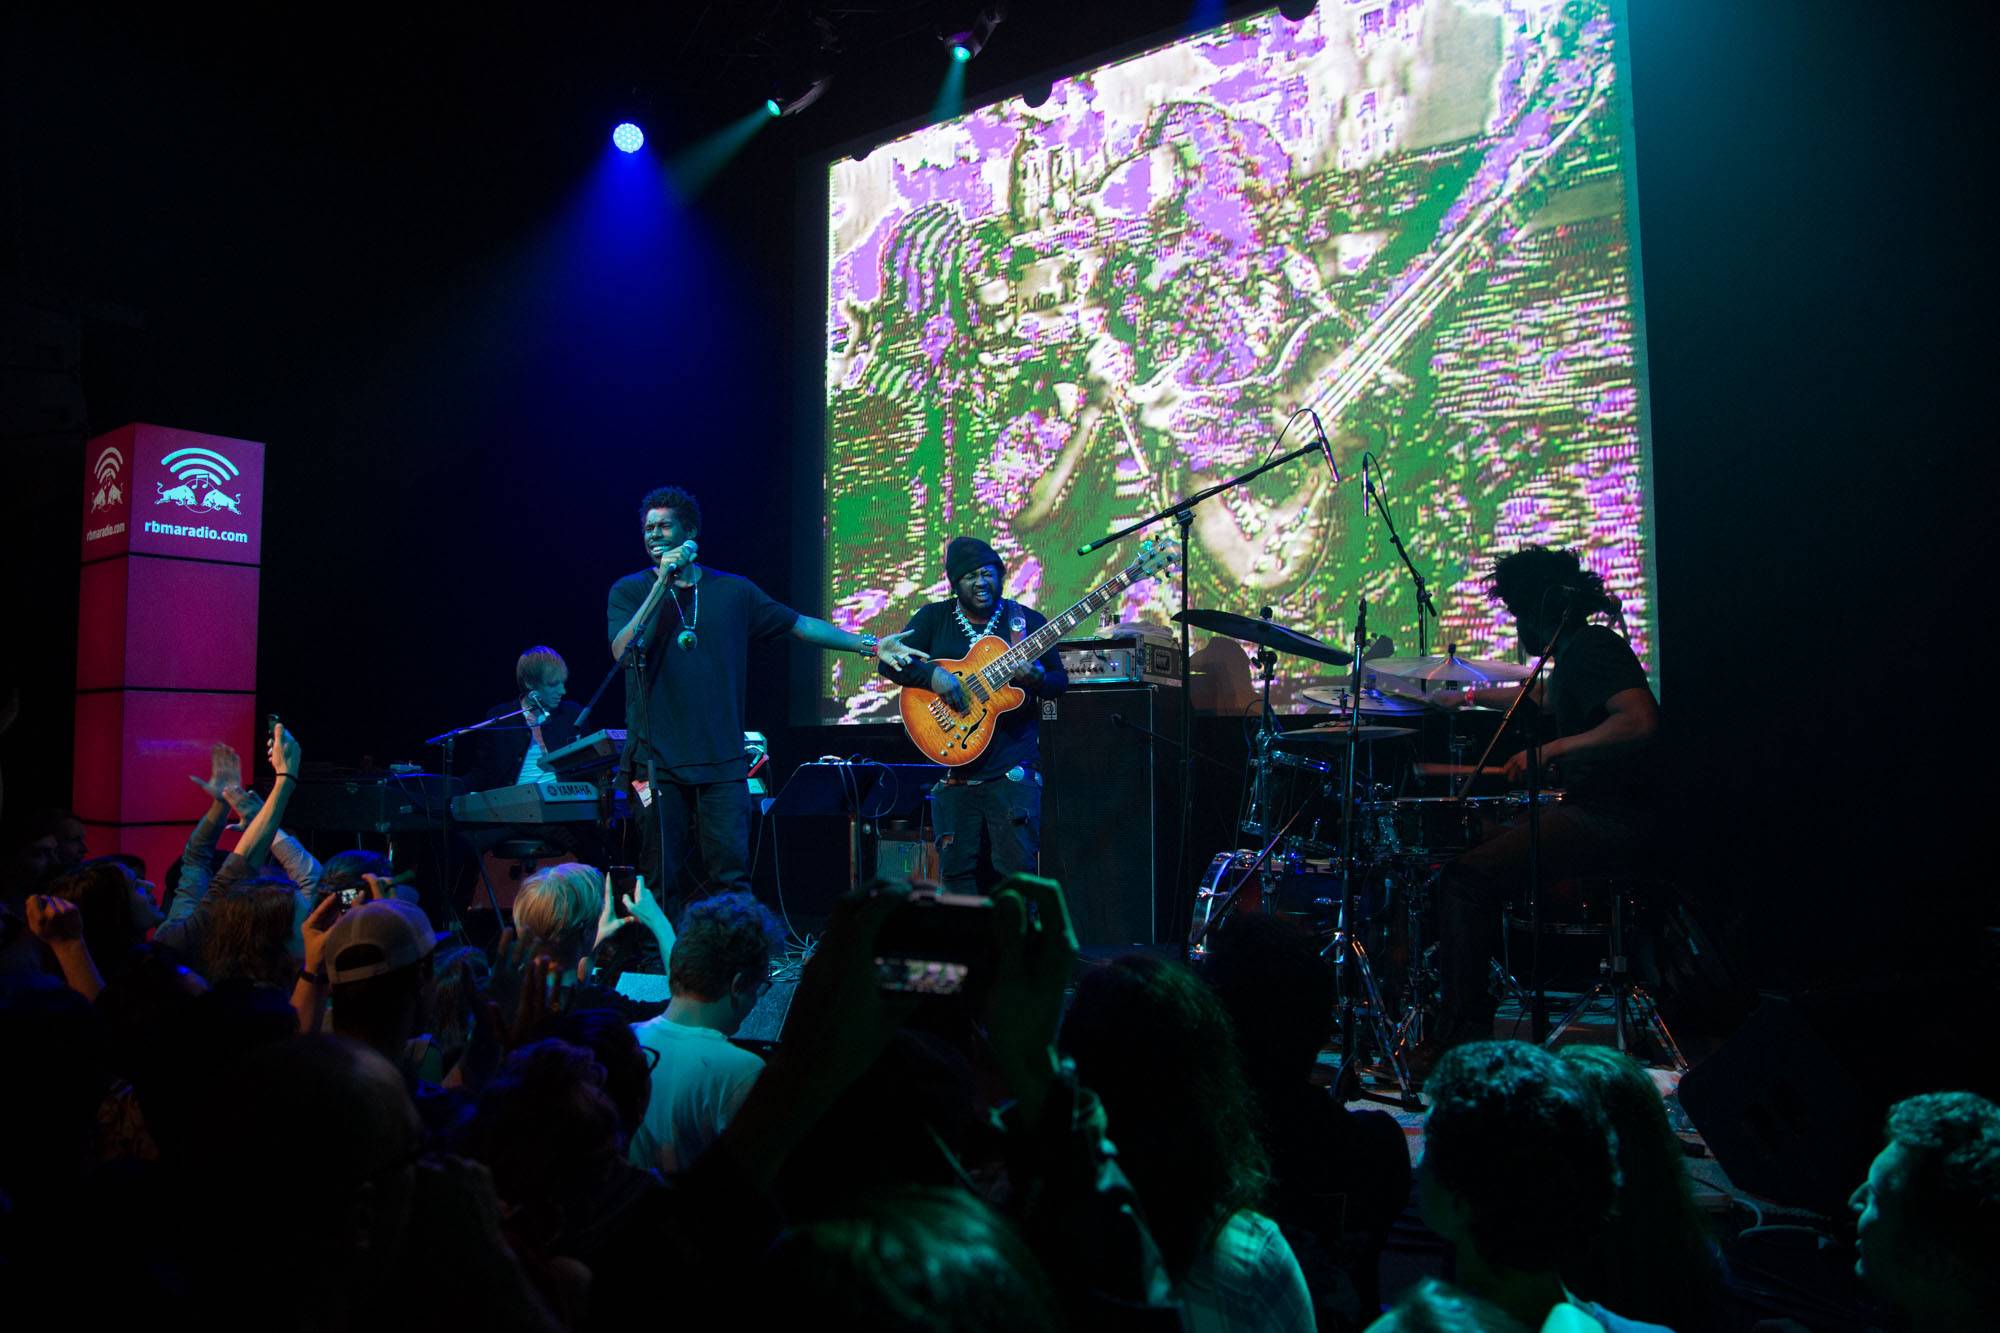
<point x="557" y="904"/>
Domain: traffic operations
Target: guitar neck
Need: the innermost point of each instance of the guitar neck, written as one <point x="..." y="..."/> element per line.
<point x="1002" y="668"/>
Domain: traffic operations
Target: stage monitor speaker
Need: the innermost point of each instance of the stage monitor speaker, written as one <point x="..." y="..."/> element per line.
<point x="766" y="1022"/>
<point x="1781" y="1112"/>
<point x="1110" y="802"/>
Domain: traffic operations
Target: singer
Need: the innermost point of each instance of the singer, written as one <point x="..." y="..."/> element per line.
<point x="989" y="813"/>
<point x="688" y="629"/>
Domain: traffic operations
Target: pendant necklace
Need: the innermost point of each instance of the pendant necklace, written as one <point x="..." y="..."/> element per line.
<point x="686" y="639"/>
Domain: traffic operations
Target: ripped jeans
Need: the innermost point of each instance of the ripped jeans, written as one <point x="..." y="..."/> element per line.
<point x="987" y="830"/>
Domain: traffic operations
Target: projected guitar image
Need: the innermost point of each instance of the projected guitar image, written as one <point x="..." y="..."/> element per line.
<point x="948" y="736"/>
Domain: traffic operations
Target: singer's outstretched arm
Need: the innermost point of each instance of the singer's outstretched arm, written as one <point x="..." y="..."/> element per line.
<point x="813" y="630"/>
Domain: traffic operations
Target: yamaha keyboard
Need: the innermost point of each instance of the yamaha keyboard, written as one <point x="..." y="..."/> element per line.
<point x="552" y="801"/>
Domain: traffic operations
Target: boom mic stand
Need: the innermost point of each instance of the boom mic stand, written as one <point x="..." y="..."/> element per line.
<point x="1425" y="606"/>
<point x="1182" y="513"/>
<point x="1350" y="958"/>
<point x="445" y="741"/>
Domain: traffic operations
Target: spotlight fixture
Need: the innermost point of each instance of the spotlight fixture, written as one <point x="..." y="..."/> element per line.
<point x="788" y="99"/>
<point x="1297" y="10"/>
<point x="628" y="137"/>
<point x="965" y="43"/>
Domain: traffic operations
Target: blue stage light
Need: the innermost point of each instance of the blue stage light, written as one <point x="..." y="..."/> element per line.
<point x="774" y="107"/>
<point x="961" y="53"/>
<point x="629" y="138"/>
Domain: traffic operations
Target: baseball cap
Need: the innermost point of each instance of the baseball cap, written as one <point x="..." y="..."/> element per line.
<point x="377" y="938"/>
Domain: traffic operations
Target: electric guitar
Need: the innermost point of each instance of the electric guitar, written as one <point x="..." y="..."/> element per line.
<point x="986" y="672"/>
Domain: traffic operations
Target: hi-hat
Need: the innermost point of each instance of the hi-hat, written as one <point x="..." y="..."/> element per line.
<point x="1374" y="703"/>
<point x="1335" y="733"/>
<point x="1267" y="632"/>
<point x="1418" y="676"/>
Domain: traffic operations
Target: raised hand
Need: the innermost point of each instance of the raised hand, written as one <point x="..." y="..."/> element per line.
<point x="898" y="654"/>
<point x="646" y="909"/>
<point x="314" y="930"/>
<point x="225" y="770"/>
<point x="285" y="752"/>
<point x="1036" y="949"/>
<point x="54" y="920"/>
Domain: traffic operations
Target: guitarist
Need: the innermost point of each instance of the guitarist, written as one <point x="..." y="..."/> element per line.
<point x="988" y="814"/>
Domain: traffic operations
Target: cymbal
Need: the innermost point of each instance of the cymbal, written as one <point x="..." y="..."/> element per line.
<point x="1267" y="632"/>
<point x="1306" y="738"/>
<point x="1374" y="703"/>
<point x="1417" y="676"/>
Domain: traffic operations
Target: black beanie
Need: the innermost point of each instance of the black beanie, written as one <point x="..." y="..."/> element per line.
<point x="966" y="554"/>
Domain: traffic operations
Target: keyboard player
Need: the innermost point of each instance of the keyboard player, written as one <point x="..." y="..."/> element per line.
<point x="510" y="752"/>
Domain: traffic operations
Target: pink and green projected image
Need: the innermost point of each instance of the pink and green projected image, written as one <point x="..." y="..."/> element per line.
<point x="1411" y="215"/>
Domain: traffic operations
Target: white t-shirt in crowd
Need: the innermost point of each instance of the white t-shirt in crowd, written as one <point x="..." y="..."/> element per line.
<point x="699" y="1083"/>
<point x="1248" y="1279"/>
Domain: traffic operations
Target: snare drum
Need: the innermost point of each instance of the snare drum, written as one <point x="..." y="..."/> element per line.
<point x="1440" y="826"/>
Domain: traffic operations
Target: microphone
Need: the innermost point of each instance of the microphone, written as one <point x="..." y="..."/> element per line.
<point x="680" y="557"/>
<point x="1364" y="485"/>
<point x="1325" y="446"/>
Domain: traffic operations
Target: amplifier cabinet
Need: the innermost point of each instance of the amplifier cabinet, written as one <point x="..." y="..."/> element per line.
<point x="1110" y="806"/>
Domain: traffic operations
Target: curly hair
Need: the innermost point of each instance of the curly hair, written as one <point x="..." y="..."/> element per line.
<point x="557" y="904"/>
<point x="345" y="869"/>
<point x="543" y="1122"/>
<point x="1156" y="1047"/>
<point x="676" y="499"/>
<point x="250" y="934"/>
<point x="1525" y="579"/>
<point x="1951" y="1141"/>
<point x="719" y="938"/>
<point x="1522" y="1142"/>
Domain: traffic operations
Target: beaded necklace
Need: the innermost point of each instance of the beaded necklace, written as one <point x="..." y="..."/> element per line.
<point x="971" y="635"/>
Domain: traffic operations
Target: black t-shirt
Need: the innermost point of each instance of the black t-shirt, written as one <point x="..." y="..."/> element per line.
<point x="936" y="631"/>
<point x="694" y="699"/>
<point x="1591" y="665"/>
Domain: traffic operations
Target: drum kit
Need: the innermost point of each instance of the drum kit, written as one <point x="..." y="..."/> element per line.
<point x="1342" y="849"/>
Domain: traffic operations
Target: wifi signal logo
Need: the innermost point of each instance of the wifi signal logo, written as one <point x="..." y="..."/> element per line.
<point x="200" y="474"/>
<point x="110" y="491"/>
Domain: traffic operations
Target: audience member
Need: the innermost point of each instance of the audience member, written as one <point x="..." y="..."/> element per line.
<point x="199" y="891"/>
<point x="1156" y="1046"/>
<point x="251" y="934"/>
<point x="1520" y="1170"/>
<point x="720" y="968"/>
<point x="1927" y="1218"/>
<point x="117" y="912"/>
<point x="628" y="1066"/>
<point x="1654" y="1259"/>
<point x="1340" y="1177"/>
<point x="911" y="1260"/>
<point x="380" y="979"/>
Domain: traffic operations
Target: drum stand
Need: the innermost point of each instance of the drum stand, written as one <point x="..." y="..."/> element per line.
<point x="1631" y="1005"/>
<point x="1359" y="998"/>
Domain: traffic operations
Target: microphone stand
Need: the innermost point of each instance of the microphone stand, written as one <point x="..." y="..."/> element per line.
<point x="446" y="741"/>
<point x="1424" y="603"/>
<point x="1538" y="1004"/>
<point x="1182" y="513"/>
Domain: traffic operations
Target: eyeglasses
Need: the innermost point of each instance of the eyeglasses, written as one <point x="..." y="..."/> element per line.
<point x="651" y="1055"/>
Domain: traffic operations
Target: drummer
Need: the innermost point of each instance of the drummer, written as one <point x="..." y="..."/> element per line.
<point x="1605" y="755"/>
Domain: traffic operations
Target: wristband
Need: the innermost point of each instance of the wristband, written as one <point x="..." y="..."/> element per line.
<point x="871" y="646"/>
<point x="312" y="978"/>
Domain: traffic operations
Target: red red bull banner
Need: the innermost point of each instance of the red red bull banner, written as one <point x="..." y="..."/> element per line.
<point x="172" y="533"/>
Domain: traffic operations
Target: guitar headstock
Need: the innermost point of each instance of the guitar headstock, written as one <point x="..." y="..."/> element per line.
<point x="1155" y="554"/>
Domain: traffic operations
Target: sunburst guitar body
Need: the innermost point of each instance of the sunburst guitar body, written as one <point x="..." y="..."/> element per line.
<point x="986" y="672"/>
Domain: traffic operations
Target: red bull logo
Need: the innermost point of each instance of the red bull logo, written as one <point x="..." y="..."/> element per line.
<point x="199" y="475"/>
<point x="107" y="469"/>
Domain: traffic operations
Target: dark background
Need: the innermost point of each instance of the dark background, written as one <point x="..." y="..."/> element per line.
<point x="403" y="255"/>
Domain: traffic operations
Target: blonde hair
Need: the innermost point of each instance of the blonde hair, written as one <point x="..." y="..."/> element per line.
<point x="557" y="904"/>
<point x="538" y="666"/>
